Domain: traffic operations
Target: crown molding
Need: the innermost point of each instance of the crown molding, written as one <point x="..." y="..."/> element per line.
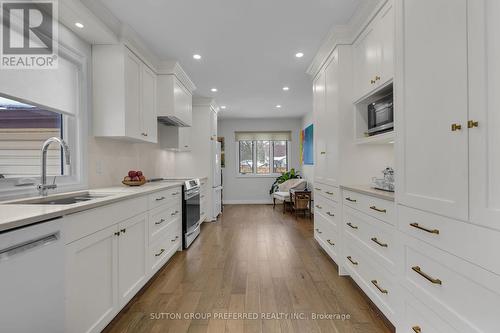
<point x="345" y="34"/>
<point x="207" y="102"/>
<point x="170" y="67"/>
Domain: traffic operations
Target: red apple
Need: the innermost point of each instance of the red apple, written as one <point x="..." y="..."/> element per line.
<point x="132" y="173"/>
<point x="139" y="173"/>
<point x="135" y="179"/>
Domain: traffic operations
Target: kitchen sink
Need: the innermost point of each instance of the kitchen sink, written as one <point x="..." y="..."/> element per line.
<point x="62" y="199"/>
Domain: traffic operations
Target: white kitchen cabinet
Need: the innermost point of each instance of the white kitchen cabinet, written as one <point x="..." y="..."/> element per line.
<point x="124" y="94"/>
<point x="373" y="53"/>
<point x="330" y="126"/>
<point x="319" y="106"/>
<point x="484" y="116"/>
<point x="91" y="281"/>
<point x="132" y="266"/>
<point x="175" y="101"/>
<point x="175" y="138"/>
<point x="432" y="102"/>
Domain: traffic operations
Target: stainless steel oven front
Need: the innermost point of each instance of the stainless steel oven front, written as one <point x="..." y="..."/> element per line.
<point x="191" y="211"/>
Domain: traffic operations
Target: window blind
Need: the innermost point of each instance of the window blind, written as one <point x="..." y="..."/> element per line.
<point x="263" y="136"/>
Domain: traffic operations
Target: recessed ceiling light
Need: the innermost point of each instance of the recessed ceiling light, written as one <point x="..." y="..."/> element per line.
<point x="196" y="56"/>
<point x="79" y="25"/>
<point x="278" y="106"/>
<point x="223" y="107"/>
<point x="299" y="54"/>
<point x="286" y="88"/>
<point x="213" y="90"/>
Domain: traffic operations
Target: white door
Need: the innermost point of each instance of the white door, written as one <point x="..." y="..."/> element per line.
<point x="91" y="281"/>
<point x="385" y="38"/>
<point x="365" y="54"/>
<point x="331" y="121"/>
<point x="319" y="131"/>
<point x="148" y="105"/>
<point x="484" y="108"/>
<point x="132" y="267"/>
<point x="432" y="159"/>
<point x="132" y="98"/>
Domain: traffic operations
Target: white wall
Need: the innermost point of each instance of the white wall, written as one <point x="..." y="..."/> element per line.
<point x="253" y="190"/>
<point x="307" y="171"/>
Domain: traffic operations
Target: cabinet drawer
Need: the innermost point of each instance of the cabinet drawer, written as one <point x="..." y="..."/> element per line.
<point x="374" y="237"/>
<point x="326" y="191"/>
<point x="375" y="282"/>
<point x="165" y="247"/>
<point x="326" y="235"/>
<point x="164" y="197"/>
<point x="378" y="208"/>
<point x="328" y="209"/>
<point x="459" y="292"/>
<point x="418" y="318"/>
<point x="160" y="218"/>
<point x="459" y="238"/>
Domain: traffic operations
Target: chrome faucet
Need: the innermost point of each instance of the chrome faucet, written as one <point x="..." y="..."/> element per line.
<point x="44" y="187"/>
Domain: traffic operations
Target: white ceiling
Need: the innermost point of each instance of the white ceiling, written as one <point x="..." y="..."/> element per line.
<point x="247" y="46"/>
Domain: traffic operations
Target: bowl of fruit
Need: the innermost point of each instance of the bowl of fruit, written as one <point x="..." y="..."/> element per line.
<point x="134" y="178"/>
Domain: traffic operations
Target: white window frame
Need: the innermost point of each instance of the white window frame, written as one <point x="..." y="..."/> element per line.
<point x="254" y="158"/>
<point x="78" y="179"/>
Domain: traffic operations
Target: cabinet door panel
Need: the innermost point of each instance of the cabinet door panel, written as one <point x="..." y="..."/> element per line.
<point x="385" y="36"/>
<point x="91" y="275"/>
<point x="319" y="131"/>
<point x="331" y="122"/>
<point x="484" y="107"/>
<point x="432" y="95"/>
<point x="148" y="105"/>
<point x="132" y="266"/>
<point x="132" y="95"/>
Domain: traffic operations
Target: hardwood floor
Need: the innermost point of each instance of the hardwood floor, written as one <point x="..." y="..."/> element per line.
<point x="253" y="260"/>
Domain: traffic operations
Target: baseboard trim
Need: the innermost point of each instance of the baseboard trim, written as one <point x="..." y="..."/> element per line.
<point x="248" y="202"/>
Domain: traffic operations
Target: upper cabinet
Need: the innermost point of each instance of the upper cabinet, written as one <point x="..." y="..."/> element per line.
<point x="175" y="101"/>
<point x="432" y="103"/>
<point x="374" y="54"/>
<point x="124" y="94"/>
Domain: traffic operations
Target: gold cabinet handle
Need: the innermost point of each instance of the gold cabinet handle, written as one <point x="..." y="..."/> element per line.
<point x="319" y="232"/>
<point x="330" y="214"/>
<point x="173" y="240"/>
<point x="378" y="209"/>
<point x="160" y="199"/>
<point x="372" y="81"/>
<point x="426" y="276"/>
<point x="174" y="213"/>
<point x="329" y="193"/>
<point x="383" y="291"/>
<point x="317" y="189"/>
<point x="377" y="78"/>
<point x="319" y="207"/>
<point x="416" y="329"/>
<point x="330" y="242"/>
<point x="123" y="230"/>
<point x="352" y="225"/>
<point x="431" y="231"/>
<point x="472" y="124"/>
<point x="375" y="240"/>
<point x="176" y="193"/>
<point x="352" y="261"/>
<point x="323" y="153"/>
<point x="160" y="222"/>
<point x="456" y="127"/>
<point x="350" y="199"/>
<point x="160" y="253"/>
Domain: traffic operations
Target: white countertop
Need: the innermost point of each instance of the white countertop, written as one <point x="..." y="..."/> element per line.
<point x="14" y="215"/>
<point x="368" y="190"/>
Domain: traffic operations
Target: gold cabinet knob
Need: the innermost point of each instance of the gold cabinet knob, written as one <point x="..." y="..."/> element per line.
<point x="456" y="127"/>
<point x="377" y="78"/>
<point x="472" y="124"/>
<point x="416" y="329"/>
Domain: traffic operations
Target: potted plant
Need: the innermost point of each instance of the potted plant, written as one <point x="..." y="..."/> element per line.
<point x="292" y="174"/>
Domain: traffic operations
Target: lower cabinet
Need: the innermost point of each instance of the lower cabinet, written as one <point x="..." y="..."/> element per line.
<point x="106" y="268"/>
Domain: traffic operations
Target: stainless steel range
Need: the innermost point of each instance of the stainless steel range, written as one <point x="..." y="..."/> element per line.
<point x="190" y="211"/>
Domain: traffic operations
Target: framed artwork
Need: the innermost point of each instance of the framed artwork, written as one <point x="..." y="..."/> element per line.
<point x="307" y="145"/>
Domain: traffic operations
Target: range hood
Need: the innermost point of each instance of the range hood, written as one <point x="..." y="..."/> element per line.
<point x="172" y="121"/>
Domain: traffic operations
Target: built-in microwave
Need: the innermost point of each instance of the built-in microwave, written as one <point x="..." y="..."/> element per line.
<point x="381" y="115"/>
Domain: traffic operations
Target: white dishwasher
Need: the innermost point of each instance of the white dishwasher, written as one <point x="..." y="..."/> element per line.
<point x="32" y="279"/>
